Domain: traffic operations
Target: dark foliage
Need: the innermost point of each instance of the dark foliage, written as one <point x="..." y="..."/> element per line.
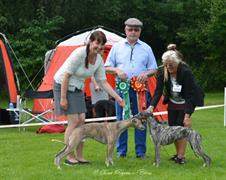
<point x="196" y="26"/>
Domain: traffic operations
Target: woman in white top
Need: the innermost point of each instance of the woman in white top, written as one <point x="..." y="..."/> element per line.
<point x="69" y="82"/>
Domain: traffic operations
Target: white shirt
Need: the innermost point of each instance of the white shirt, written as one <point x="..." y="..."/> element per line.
<point x="75" y="65"/>
<point x="175" y="92"/>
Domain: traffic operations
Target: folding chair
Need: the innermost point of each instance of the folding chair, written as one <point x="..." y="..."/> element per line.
<point x="27" y="115"/>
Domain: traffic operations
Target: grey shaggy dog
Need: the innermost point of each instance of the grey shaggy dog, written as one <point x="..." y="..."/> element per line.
<point x="164" y="135"/>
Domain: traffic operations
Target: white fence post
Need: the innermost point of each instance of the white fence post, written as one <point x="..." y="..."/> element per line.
<point x="225" y="106"/>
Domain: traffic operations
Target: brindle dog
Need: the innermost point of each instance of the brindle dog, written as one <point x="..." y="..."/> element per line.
<point x="106" y="133"/>
<point x="164" y="135"/>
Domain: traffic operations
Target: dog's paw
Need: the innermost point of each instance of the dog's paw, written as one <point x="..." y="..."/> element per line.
<point x="205" y="165"/>
<point x="59" y="168"/>
<point x="107" y="163"/>
<point x="155" y="164"/>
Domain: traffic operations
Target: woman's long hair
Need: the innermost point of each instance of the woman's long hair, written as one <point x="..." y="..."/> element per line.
<point x="96" y="35"/>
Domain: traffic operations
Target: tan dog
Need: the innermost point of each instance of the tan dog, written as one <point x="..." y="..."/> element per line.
<point x="106" y="133"/>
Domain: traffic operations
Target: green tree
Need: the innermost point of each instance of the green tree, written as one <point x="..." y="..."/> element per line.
<point x="196" y="26"/>
<point x="30" y="44"/>
<point x="203" y="42"/>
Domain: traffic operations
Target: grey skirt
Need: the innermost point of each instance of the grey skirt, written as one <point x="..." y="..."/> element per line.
<point x="76" y="101"/>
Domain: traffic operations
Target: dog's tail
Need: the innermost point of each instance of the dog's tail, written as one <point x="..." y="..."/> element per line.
<point x="195" y="140"/>
<point x="56" y="140"/>
<point x="195" y="143"/>
<point x="61" y="151"/>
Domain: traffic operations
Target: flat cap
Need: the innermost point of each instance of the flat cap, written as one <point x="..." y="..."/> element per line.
<point x="133" y="22"/>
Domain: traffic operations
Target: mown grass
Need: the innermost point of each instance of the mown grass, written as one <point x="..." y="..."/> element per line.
<point x="25" y="155"/>
<point x="214" y="98"/>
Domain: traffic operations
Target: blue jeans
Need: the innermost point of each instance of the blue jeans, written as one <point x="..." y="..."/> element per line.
<point x="140" y="136"/>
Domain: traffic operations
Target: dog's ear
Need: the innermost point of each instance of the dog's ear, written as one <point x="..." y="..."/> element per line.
<point x="137" y="116"/>
<point x="146" y="114"/>
<point x="135" y="120"/>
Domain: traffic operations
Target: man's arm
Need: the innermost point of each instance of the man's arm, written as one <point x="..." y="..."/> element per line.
<point x="143" y="77"/>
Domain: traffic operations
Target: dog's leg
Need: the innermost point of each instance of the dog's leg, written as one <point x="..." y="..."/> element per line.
<point x="66" y="150"/>
<point x="110" y="151"/>
<point x="57" y="157"/>
<point x="107" y="157"/>
<point x="195" y="143"/>
<point x="73" y="144"/>
<point x="157" y="154"/>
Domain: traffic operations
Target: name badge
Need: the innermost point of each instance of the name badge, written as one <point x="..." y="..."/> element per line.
<point x="177" y="88"/>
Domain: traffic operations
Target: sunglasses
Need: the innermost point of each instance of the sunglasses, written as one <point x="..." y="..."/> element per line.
<point x="133" y="29"/>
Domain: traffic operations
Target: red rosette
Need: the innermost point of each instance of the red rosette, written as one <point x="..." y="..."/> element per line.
<point x="136" y="85"/>
<point x="140" y="89"/>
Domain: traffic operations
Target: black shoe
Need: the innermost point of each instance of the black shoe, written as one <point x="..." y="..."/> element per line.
<point x="69" y="163"/>
<point x="174" y="158"/>
<point x="180" y="161"/>
<point x="83" y="162"/>
<point x="141" y="156"/>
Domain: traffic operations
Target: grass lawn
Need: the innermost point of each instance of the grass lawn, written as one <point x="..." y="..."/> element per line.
<point x="25" y="155"/>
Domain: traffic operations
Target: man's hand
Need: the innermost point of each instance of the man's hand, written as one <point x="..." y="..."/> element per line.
<point x="97" y="88"/>
<point x="142" y="78"/>
<point x="122" y="75"/>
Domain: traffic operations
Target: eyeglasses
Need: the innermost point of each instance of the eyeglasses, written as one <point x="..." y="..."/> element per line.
<point x="133" y="29"/>
<point x="169" y="65"/>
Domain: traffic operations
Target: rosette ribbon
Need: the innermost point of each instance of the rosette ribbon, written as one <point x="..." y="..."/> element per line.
<point x="123" y="87"/>
<point x="140" y="89"/>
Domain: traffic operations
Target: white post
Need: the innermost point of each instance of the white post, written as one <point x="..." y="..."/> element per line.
<point x="225" y="106"/>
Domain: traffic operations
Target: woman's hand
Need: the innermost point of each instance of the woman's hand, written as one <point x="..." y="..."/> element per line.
<point x="64" y="103"/>
<point x="150" y="109"/>
<point x="187" y="121"/>
<point x="121" y="102"/>
<point x="107" y="87"/>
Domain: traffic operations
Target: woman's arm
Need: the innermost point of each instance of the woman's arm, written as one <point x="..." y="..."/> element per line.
<point x="64" y="87"/>
<point x="113" y="70"/>
<point x="112" y="93"/>
<point x="188" y="83"/>
<point x="96" y="86"/>
<point x="159" y="87"/>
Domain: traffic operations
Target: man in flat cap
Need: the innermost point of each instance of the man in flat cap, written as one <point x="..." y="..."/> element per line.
<point x="130" y="58"/>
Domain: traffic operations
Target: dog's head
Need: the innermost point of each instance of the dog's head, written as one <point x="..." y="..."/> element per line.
<point x="137" y="123"/>
<point x="143" y="115"/>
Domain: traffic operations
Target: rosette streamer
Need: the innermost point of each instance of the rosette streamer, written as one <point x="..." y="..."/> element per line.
<point x="140" y="89"/>
<point x="123" y="87"/>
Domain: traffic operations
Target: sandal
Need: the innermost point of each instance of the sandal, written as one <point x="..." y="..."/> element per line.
<point x="83" y="161"/>
<point x="69" y="163"/>
<point x="180" y="160"/>
<point x="173" y="158"/>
